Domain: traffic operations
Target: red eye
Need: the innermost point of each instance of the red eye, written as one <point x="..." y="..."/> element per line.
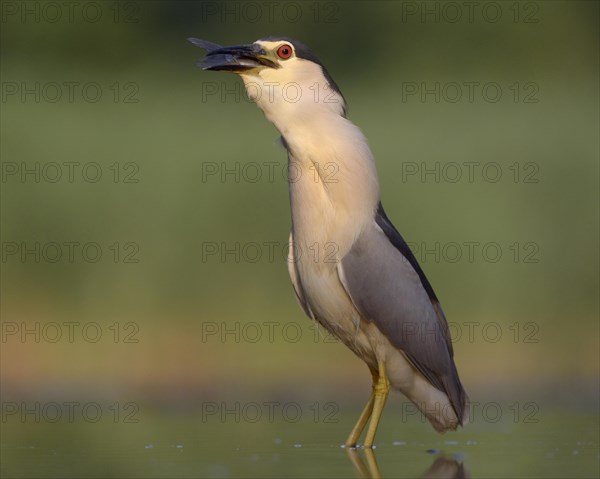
<point x="284" y="52"/>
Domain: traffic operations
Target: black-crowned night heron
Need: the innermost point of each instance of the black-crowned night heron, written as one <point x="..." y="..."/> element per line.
<point x="365" y="286"/>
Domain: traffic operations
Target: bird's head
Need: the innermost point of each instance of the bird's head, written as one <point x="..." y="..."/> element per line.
<point x="281" y="75"/>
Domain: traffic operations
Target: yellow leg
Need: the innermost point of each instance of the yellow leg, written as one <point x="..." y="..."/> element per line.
<point x="381" y="390"/>
<point x="362" y="421"/>
<point x="364" y="416"/>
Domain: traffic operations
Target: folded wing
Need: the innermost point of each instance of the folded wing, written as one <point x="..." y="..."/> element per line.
<point x="388" y="287"/>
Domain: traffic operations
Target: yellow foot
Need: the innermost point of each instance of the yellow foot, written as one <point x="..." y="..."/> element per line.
<point x="372" y="410"/>
<point x="381" y="389"/>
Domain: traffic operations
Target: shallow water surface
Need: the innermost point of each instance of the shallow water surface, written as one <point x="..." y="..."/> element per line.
<point x="166" y="445"/>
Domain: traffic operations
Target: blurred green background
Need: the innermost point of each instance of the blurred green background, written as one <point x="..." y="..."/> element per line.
<point x="182" y="326"/>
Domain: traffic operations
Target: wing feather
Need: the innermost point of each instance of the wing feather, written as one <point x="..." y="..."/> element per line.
<point x="389" y="288"/>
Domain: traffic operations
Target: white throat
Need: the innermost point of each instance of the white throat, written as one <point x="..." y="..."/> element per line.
<point x="332" y="173"/>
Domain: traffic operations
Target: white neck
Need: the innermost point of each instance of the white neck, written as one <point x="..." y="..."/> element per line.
<point x="334" y="188"/>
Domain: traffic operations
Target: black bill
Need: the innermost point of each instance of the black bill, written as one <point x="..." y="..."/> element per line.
<point x="235" y="59"/>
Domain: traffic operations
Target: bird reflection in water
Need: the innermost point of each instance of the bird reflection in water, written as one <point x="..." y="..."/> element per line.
<point x="443" y="467"/>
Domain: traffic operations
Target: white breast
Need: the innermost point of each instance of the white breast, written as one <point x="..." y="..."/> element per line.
<point x="326" y="218"/>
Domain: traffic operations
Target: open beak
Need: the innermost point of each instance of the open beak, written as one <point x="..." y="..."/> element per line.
<point x="233" y="59"/>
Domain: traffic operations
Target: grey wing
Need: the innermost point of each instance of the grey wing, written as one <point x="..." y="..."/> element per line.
<point x="389" y="291"/>
<point x="296" y="282"/>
